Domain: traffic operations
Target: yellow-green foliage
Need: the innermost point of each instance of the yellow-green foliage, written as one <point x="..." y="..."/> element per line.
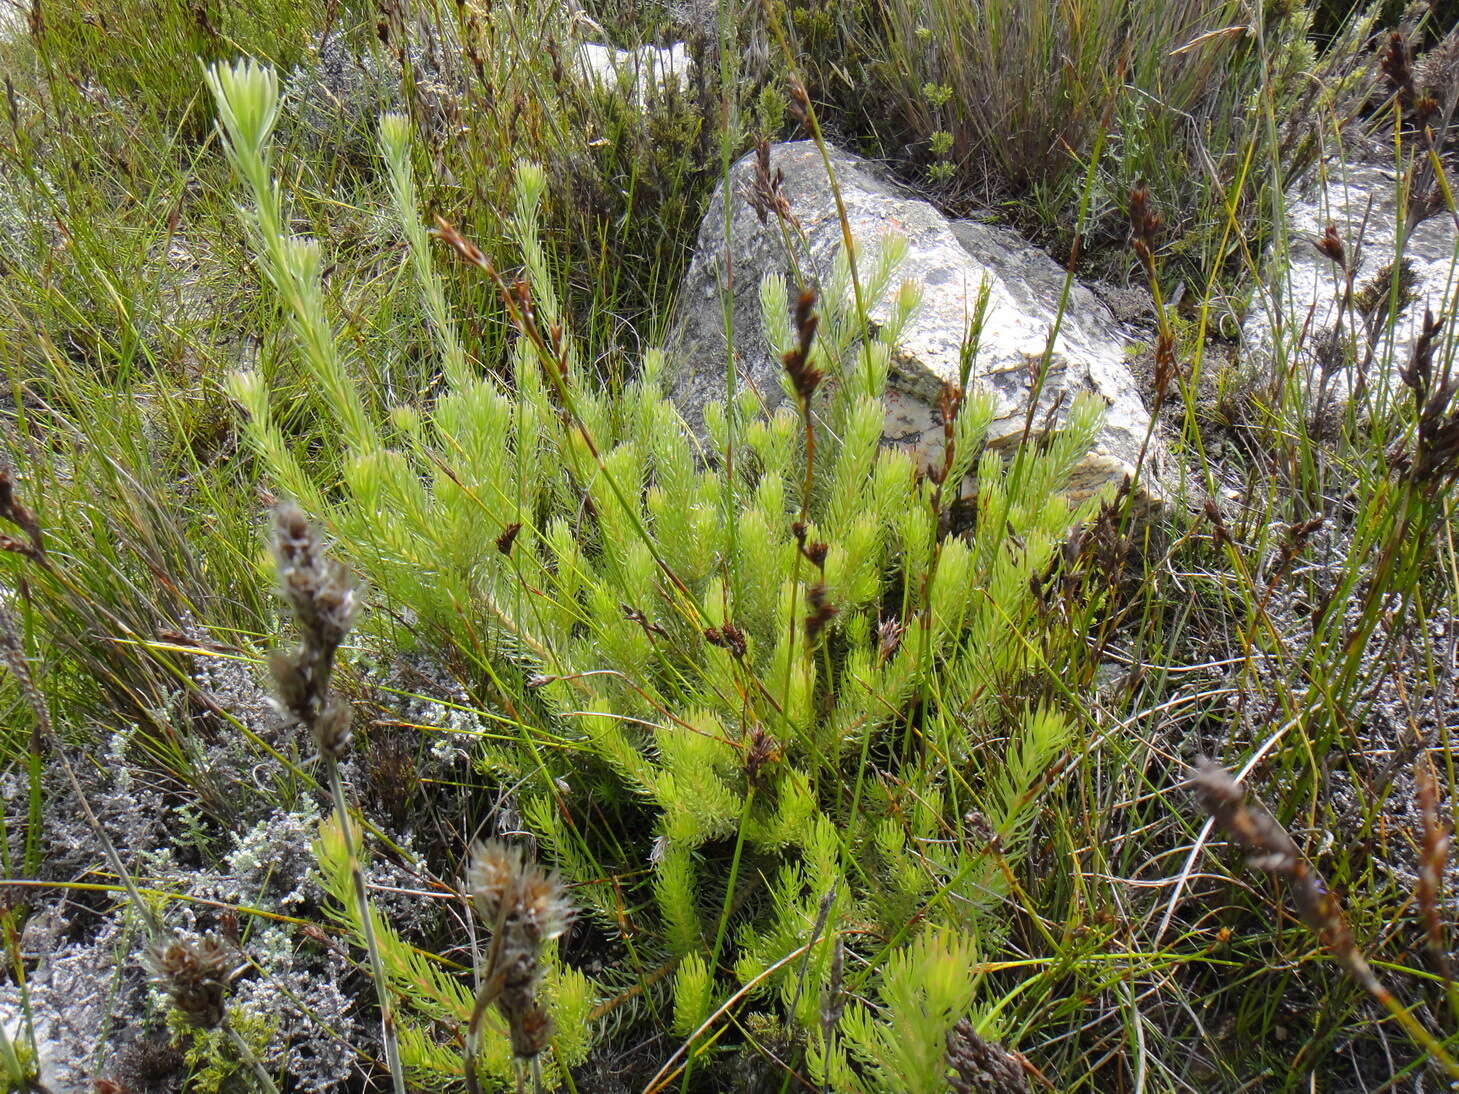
<point x="645" y="617"/>
<point x="925" y="989"/>
<point x="693" y="993"/>
<point x="212" y="1057"/>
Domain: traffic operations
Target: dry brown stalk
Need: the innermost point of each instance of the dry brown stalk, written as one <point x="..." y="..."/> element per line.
<point x="1269" y="847"/>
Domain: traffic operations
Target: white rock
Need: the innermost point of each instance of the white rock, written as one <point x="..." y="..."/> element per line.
<point x="1302" y="294"/>
<point x="12" y="21"/>
<point x="950" y="260"/>
<point x="642" y="72"/>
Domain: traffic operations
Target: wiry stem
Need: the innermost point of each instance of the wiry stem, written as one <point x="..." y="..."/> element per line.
<point x="1271" y="849"/>
<point x="388" y="1032"/>
<point x="490" y="989"/>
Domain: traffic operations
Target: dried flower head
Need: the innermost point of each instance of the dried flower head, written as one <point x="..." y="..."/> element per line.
<point x="508" y="890"/>
<point x="197" y="974"/>
<point x="1270" y="848"/>
<point x="508" y="537"/>
<point x="889" y="638"/>
<point x="469" y="251"/>
<point x="1331" y="246"/>
<point x="530" y="1030"/>
<point x="1220" y="535"/>
<point x="982" y="1067"/>
<point x="318" y="589"/>
<point x="761" y="750"/>
<point x="1418" y="373"/>
<point x="1435" y="459"/>
<point x="492" y="876"/>
<point x="17" y="514"/>
<point x="1437" y="72"/>
<point x="765" y="195"/>
<point x="804" y="377"/>
<point x="1145" y="222"/>
<point x="333" y="732"/>
<point x="525" y="906"/>
<point x="728" y="637"/>
<point x="822" y="611"/>
<point x="1396" y="66"/>
<point x="324" y="602"/>
<point x="1372" y="297"/>
<point x="1433" y="856"/>
<point x="815" y="553"/>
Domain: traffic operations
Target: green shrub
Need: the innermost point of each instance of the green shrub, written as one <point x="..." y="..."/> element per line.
<point x="753" y="711"/>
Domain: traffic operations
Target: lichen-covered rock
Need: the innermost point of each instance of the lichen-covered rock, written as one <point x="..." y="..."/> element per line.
<point x="1303" y="290"/>
<point x="950" y="260"/>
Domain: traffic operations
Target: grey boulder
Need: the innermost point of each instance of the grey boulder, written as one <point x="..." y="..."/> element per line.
<point x="950" y="260"/>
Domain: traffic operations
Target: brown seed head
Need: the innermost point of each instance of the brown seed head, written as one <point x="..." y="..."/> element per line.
<point x="1331" y="246"/>
<point x="525" y="906"/>
<point x="982" y="1067"/>
<point x="1270" y="848"/>
<point x="508" y="537"/>
<point x="492" y="877"/>
<point x="889" y="638"/>
<point x="1418" y="373"/>
<point x="1433" y="857"/>
<point x="821" y="610"/>
<point x="804" y="377"/>
<point x="461" y="245"/>
<point x="1144" y="222"/>
<point x="765" y="194"/>
<point x="196" y="973"/>
<point x="507" y="888"/>
<point x="332" y="730"/>
<point x="530" y="1029"/>
<point x="728" y="637"/>
<point x="317" y="588"/>
<point x="1396" y="67"/>
<point x="760" y="751"/>
<point x="17" y="514"/>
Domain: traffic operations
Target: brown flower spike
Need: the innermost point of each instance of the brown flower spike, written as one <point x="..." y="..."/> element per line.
<point x="982" y="1067"/>
<point x="804" y="377"/>
<point x="1270" y="848"/>
<point x="525" y="907"/>
<point x="324" y="602"/>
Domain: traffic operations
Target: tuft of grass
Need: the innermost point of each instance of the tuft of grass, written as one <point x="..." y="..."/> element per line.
<point x="1011" y="104"/>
